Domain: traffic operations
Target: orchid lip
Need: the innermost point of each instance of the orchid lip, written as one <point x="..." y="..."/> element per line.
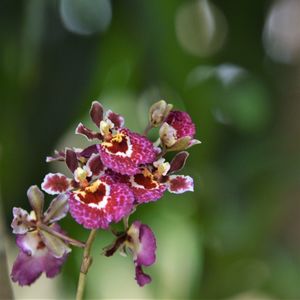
<point x="84" y="193"/>
<point x="116" y="139"/>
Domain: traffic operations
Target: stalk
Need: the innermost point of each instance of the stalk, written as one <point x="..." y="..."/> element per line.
<point x="85" y="264"/>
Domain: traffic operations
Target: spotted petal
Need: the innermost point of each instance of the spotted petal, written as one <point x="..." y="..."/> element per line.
<point x="145" y="189"/>
<point x="182" y="122"/>
<point x="179" y="184"/>
<point x="126" y="155"/>
<point x="101" y="203"/>
<point x="56" y="183"/>
<point x="21" y="221"/>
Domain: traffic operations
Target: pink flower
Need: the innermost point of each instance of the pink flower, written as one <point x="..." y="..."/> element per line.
<point x="140" y="241"/>
<point x="100" y="203"/>
<point x="178" y="131"/>
<point x="95" y="200"/>
<point x="35" y="258"/>
<point x="40" y="250"/>
<point x="182" y="122"/>
<point x="124" y="151"/>
<point x="151" y="182"/>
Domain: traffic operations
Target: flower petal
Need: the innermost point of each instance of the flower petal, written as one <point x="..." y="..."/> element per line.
<point x="182" y="122"/>
<point x="179" y="184"/>
<point x="58" y="156"/>
<point x="145" y="243"/>
<point x="141" y="278"/>
<point x="36" y="200"/>
<point x="101" y="203"/>
<point x="88" y="133"/>
<point x="56" y="183"/>
<point x="145" y="189"/>
<point x="96" y="113"/>
<point x="126" y="155"/>
<point x="178" y="162"/>
<point x="95" y="165"/>
<point x="193" y="142"/>
<point x="30" y="264"/>
<point x="57" y="209"/>
<point x="20" y="223"/>
<point x="87" y="152"/>
<point x="57" y="247"/>
<point x="115" y="118"/>
<point x="71" y="160"/>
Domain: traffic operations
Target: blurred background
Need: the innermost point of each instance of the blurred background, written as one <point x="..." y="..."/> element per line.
<point x="233" y="66"/>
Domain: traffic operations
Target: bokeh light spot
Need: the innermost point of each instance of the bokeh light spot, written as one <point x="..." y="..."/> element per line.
<point x="86" y="16"/>
<point x="201" y="28"/>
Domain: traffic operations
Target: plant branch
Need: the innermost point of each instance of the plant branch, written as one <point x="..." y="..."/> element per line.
<point x="85" y="264"/>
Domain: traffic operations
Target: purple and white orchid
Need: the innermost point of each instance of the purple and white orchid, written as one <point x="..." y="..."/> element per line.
<point x="107" y="182"/>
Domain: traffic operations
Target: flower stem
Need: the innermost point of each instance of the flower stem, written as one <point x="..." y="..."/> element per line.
<point x="85" y="264"/>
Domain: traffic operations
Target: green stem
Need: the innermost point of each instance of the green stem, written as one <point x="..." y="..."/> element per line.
<point x="85" y="264"/>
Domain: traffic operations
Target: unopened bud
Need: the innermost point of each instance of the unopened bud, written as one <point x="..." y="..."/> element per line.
<point x="158" y="112"/>
<point x="167" y="135"/>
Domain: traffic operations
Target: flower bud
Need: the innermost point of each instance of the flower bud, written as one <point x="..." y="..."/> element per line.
<point x="158" y="112"/>
<point x="167" y="135"/>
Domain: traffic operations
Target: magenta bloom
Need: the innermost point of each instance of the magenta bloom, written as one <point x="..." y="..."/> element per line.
<point x="151" y="182"/>
<point x="120" y="149"/>
<point x="125" y="151"/>
<point x="142" y="243"/>
<point x="95" y="200"/>
<point x="35" y="258"/>
<point x="100" y="203"/>
<point x="182" y="122"/>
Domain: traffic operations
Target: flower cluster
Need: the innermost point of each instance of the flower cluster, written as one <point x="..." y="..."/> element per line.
<point x="107" y="182"/>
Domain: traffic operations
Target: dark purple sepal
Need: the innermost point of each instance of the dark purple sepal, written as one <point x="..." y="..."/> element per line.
<point x="58" y="156"/>
<point x="87" y="152"/>
<point x="116" y="119"/>
<point x="178" y="162"/>
<point x="96" y="113"/>
<point x="88" y="133"/>
<point x="71" y="160"/>
<point x="95" y="165"/>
